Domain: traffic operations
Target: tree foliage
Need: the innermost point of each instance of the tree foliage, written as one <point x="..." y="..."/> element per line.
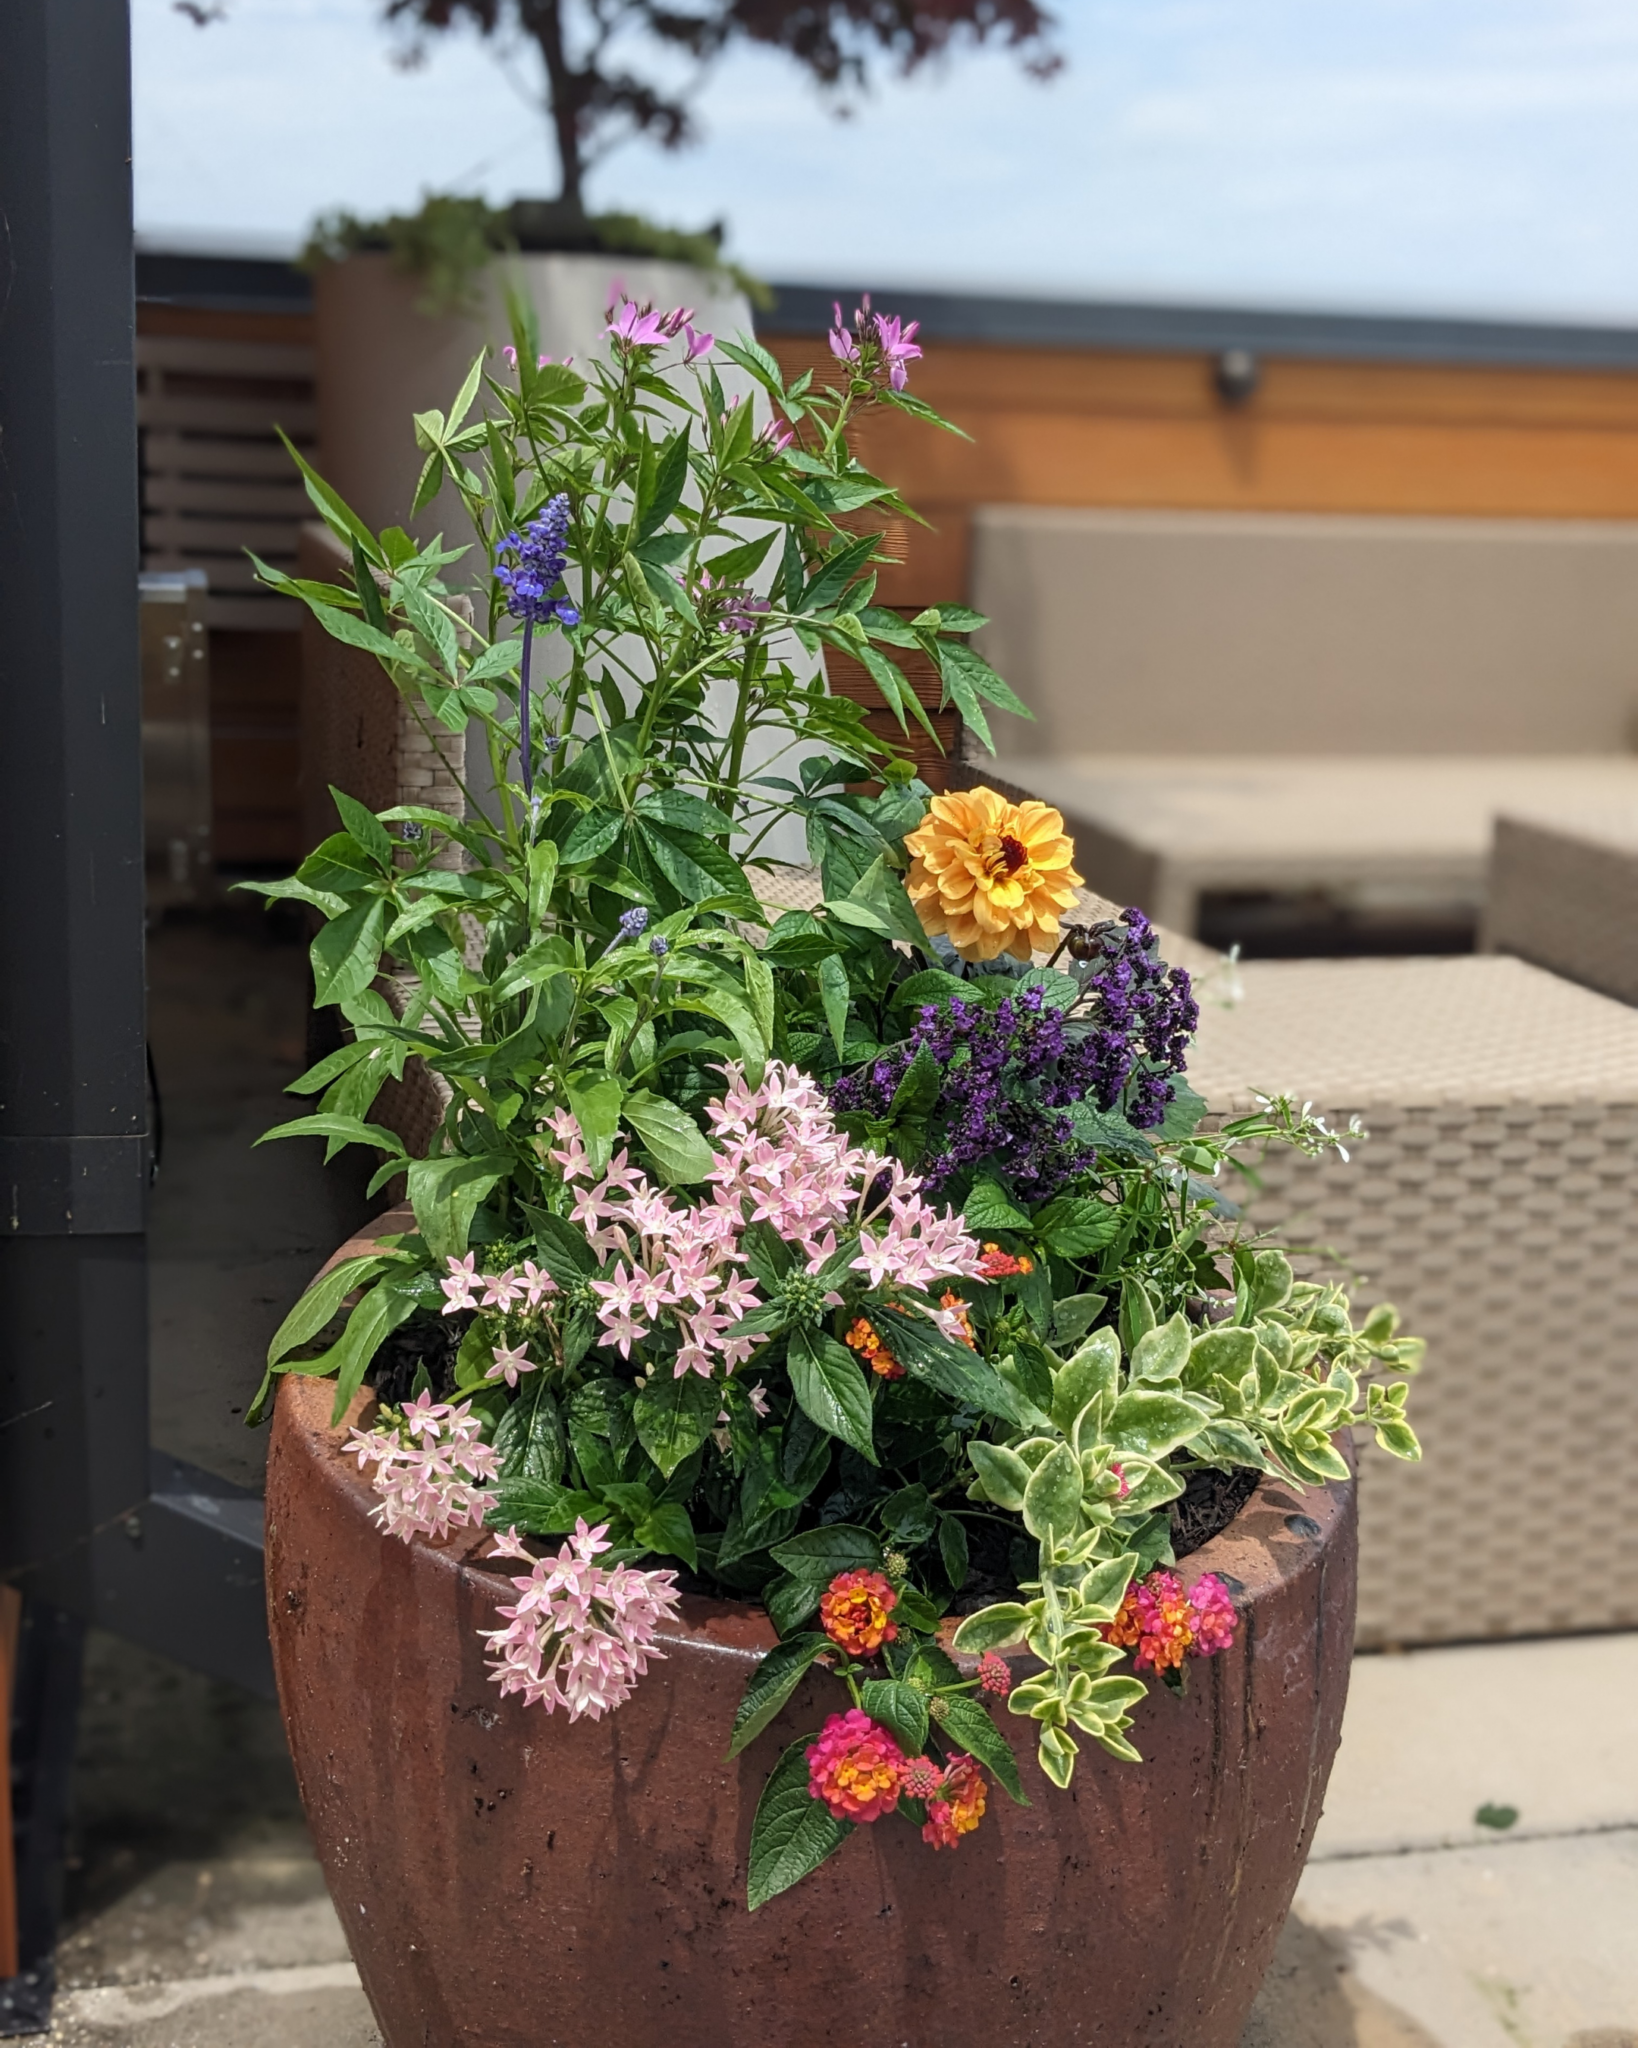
<point x="615" y="69"/>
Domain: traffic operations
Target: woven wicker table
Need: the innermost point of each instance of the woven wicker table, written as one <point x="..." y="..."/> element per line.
<point x="1493" y="1205"/>
<point x="1566" y="896"/>
<point x="1370" y="832"/>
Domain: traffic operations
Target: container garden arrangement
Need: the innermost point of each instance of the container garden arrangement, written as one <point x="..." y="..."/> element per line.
<point x="813" y="1521"/>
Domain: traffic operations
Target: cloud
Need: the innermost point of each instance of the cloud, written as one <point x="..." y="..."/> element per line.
<point x="1422" y="154"/>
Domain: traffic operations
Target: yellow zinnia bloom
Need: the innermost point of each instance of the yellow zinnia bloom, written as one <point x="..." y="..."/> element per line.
<point x="992" y="875"/>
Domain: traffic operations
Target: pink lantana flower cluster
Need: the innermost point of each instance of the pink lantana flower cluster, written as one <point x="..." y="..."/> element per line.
<point x="1163" y="1621"/>
<point x="781" y="1161"/>
<point x="430" y="1462"/>
<point x="580" y="1633"/>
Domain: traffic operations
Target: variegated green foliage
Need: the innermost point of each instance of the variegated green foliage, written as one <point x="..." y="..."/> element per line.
<point x="1096" y="1459"/>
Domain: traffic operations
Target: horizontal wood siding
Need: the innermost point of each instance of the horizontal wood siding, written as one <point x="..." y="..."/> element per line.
<point x="1079" y="427"/>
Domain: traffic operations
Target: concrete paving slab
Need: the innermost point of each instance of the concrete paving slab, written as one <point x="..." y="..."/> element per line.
<point x="1430" y="1736"/>
<point x="1519" y="1944"/>
<point x="321" y="2006"/>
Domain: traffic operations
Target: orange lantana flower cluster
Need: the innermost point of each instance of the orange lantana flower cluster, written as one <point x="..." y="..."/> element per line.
<point x="865" y="1338"/>
<point x="854" y="1612"/>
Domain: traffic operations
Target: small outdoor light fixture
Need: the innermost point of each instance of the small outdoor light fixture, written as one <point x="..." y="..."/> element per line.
<point x="1237" y="373"/>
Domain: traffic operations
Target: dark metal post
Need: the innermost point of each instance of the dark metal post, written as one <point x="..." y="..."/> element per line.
<point x="73" y="1309"/>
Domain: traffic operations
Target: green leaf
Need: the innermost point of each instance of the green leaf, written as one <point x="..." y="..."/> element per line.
<point x="379" y="1313"/>
<point x="952" y="1550"/>
<point x="1071" y="1226"/>
<point x="1052" y="1499"/>
<point x="1162" y="1353"/>
<point x="793" y="1832"/>
<point x="900" y="1708"/>
<point x="675" y="1415"/>
<point x="596" y="1105"/>
<point x="351" y="1130"/>
<point x="682" y="1154"/>
<point x="915" y="1096"/>
<point x="928" y="1355"/>
<point x="1074" y="1315"/>
<point x="668" y="1529"/>
<point x="594" y="832"/>
<point x="1003" y="1472"/>
<point x="529" y="1438"/>
<point x="347" y="953"/>
<point x="445" y="1193"/>
<point x="364" y="826"/>
<point x="1137" y="1311"/>
<point x="1228" y="1352"/>
<point x="790" y="1600"/>
<point x="540" y="1508"/>
<point x="1155" y="1423"/>
<point x="988" y="1208"/>
<point x="835" y="996"/>
<point x="830" y="1387"/>
<point x="993" y="1628"/>
<point x="771" y="1685"/>
<point x="324" y="1298"/>
<point x="817" y="1555"/>
<point x="968" y="1726"/>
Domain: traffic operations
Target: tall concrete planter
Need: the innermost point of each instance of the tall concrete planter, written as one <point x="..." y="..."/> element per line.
<point x="508" y="1881"/>
<point x="381" y="359"/>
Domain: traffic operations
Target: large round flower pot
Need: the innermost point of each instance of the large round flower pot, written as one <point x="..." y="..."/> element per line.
<point x="382" y="356"/>
<point x="509" y="1881"/>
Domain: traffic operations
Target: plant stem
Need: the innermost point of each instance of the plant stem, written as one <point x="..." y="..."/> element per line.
<point x="523" y="713"/>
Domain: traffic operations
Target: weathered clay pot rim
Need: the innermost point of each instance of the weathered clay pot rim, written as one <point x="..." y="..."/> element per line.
<point x="1243" y="1554"/>
<point x="1239" y="1554"/>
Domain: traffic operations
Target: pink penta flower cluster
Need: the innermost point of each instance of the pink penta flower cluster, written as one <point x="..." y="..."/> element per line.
<point x="429" y="1461"/>
<point x="508" y="1293"/>
<point x="580" y="1633"/>
<point x="876" y="343"/>
<point x="781" y="1161"/>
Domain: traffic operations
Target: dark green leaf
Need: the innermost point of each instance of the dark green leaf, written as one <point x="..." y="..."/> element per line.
<point x="793" y="1832"/>
<point x="952" y="1368"/>
<point x="674" y="1416"/>
<point x="346" y="954"/>
<point x="1071" y="1226"/>
<point x="952" y="1549"/>
<point x="771" y="1685"/>
<point x="817" y="1555"/>
<point x="967" y="1726"/>
<point x="988" y="1208"/>
<point x="830" y="1385"/>
<point x="901" y="1709"/>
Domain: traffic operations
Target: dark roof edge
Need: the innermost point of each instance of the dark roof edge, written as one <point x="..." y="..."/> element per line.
<point x="267" y="284"/>
<point x="1162" y="329"/>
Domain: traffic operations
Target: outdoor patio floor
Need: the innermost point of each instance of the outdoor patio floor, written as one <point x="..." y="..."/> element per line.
<point x="198" y="1917"/>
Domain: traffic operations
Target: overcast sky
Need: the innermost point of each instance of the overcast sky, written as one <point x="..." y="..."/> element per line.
<point x="1412" y="155"/>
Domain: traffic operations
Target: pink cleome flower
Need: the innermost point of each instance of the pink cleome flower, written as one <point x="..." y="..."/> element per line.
<point x="856" y="1767"/>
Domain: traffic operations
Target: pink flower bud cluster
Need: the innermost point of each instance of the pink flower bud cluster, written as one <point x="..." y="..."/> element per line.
<point x="580" y="1633"/>
<point x="428" y="1461"/>
<point x="781" y="1161"/>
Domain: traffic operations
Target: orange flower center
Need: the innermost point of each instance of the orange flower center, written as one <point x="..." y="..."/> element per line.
<point x="1002" y="855"/>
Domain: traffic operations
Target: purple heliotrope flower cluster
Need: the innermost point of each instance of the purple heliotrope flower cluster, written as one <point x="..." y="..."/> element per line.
<point x="1013" y="1069"/>
<point x="1145" y="1015"/>
<point x="540" y="554"/>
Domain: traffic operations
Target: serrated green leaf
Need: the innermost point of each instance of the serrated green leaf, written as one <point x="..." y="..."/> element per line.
<point x="900" y="1708"/>
<point x="771" y="1685"/>
<point x="793" y="1832"/>
<point x="817" y="1555"/>
<point x="967" y="1725"/>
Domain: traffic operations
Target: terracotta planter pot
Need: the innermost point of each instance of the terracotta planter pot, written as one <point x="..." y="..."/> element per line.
<point x="509" y="1881"/>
